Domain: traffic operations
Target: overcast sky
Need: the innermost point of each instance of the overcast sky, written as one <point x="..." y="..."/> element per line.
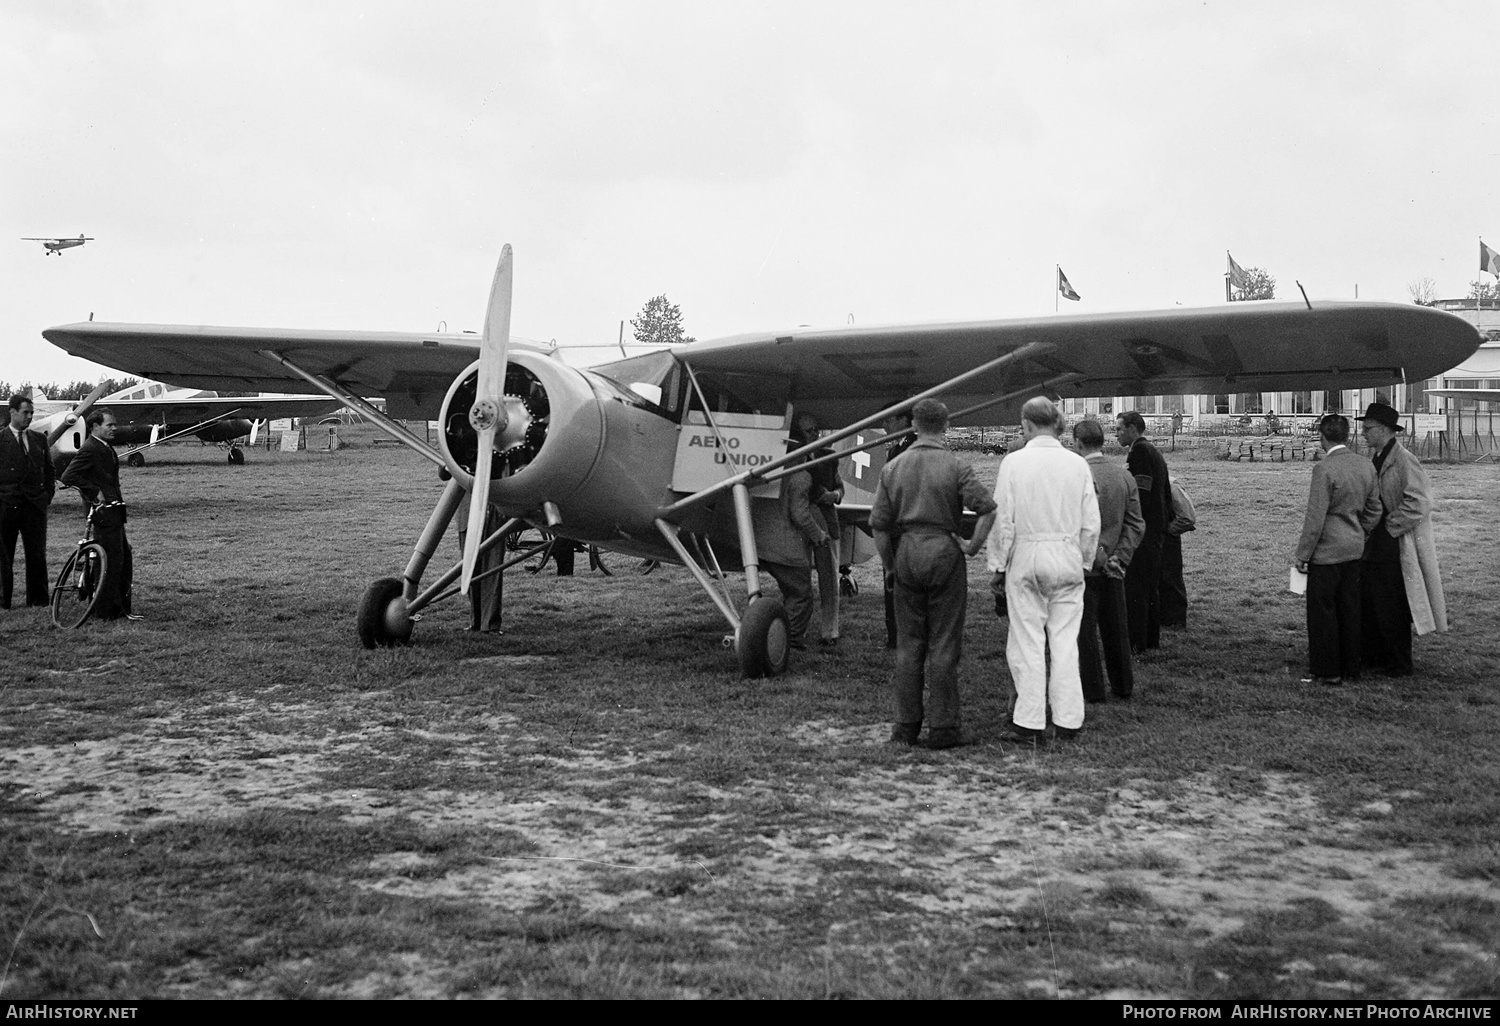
<point x="765" y="165"/>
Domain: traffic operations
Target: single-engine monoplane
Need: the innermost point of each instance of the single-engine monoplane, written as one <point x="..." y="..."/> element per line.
<point x="56" y="246"/>
<point x="663" y="456"/>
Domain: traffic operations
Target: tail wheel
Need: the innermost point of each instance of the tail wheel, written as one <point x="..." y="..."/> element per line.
<point x="383" y="621"/>
<point x="764" y="643"/>
<point x="237" y="457"/>
<point x="135" y="459"/>
<point x="79" y="586"/>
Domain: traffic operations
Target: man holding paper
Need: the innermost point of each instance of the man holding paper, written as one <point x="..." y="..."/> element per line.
<point x="1343" y="506"/>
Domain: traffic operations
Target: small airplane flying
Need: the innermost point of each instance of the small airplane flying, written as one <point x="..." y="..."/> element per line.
<point x="58" y="245"/>
<point x="665" y="456"/>
<point x="150" y="413"/>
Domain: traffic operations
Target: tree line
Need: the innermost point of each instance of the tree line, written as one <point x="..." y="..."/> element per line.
<point x="71" y="390"/>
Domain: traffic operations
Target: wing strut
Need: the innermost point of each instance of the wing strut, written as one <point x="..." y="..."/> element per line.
<point x="796" y="455"/>
<point x="397" y="431"/>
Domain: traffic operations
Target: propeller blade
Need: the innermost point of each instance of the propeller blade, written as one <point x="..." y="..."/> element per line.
<point x="479" y="502"/>
<point x="63" y="423"/>
<point x="487" y="416"/>
<point x="254" y="431"/>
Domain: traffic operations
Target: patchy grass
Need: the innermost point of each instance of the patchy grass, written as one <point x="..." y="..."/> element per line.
<point x="231" y="798"/>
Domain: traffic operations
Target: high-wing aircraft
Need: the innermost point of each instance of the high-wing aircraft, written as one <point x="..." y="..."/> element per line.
<point x="663" y="456"/>
<point x="150" y="413"/>
<point x="58" y="245"/>
<point x="1483" y="395"/>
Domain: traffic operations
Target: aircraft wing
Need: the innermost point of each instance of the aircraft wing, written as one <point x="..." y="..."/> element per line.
<point x="412" y="371"/>
<point x="1484" y="395"/>
<point x="846" y="373"/>
<point x="193" y="411"/>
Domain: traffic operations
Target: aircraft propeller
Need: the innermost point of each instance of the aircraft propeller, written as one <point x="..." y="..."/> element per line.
<point x="487" y="414"/>
<point x="63" y="423"/>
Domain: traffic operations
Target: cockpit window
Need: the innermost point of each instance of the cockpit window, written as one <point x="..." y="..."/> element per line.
<point x="652" y="382"/>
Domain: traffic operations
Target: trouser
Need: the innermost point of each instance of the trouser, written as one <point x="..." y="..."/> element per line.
<point x="795" y="583"/>
<point x="1174" y="599"/>
<point x="1385" y="627"/>
<point x="485" y="595"/>
<point x="1104" y="619"/>
<point x="1143" y="593"/>
<point x="889" y="577"/>
<point x="825" y="558"/>
<point x="1333" y="619"/>
<point x="29" y="523"/>
<point x="1044" y="592"/>
<point x="931" y="595"/>
<point x="119" y="570"/>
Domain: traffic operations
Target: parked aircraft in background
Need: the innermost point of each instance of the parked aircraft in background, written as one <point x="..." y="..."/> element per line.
<point x="1483" y="395"/>
<point x="149" y="413"/>
<point x="58" y="245"/>
<point x="660" y="456"/>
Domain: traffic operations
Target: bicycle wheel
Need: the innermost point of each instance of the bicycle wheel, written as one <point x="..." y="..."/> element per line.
<point x="78" y="586"/>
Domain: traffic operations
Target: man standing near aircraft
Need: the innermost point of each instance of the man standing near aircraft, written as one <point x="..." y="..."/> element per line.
<point x="1343" y="506"/>
<point x="26" y="489"/>
<point x="826" y="494"/>
<point x="1143" y="581"/>
<point x="1399" y="579"/>
<point x="786" y="533"/>
<point x="1046" y="535"/>
<point x="1121" y="527"/>
<point x="917" y="513"/>
<point x="95" y="472"/>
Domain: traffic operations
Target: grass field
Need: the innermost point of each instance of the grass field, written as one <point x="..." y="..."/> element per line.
<point x="231" y="798"/>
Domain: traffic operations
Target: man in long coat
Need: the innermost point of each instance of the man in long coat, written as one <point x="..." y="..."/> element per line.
<point x="26" y="489"/>
<point x="95" y="472"/>
<point x="1143" y="581"/>
<point x="1400" y="586"/>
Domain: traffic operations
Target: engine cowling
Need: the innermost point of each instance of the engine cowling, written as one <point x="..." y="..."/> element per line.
<point x="552" y="439"/>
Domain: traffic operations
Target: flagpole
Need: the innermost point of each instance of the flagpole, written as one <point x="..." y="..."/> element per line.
<point x="1056" y="285"/>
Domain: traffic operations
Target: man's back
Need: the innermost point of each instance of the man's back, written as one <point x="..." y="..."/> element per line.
<point x="1044" y="489"/>
<point x="928" y="487"/>
<point x="1150" y="470"/>
<point x="1121" y="524"/>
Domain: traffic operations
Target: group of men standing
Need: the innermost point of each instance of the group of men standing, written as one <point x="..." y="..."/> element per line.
<point x="27" y="486"/>
<point x="1368" y="552"/>
<point x="1064" y="534"/>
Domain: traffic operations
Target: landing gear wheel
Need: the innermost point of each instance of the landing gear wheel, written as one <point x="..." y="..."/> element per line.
<point x="383" y="620"/>
<point x="78" y="586"/>
<point x="135" y="459"/>
<point x="764" y="643"/>
<point x="237" y="457"/>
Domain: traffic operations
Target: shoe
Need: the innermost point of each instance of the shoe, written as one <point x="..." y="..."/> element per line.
<point x="1067" y="733"/>
<point x="1024" y="736"/>
<point x="940" y="739"/>
<point x="828" y="642"/>
<point x="134" y="616"/>
<point x="904" y="734"/>
<point x="797" y="646"/>
<point x="1332" y="682"/>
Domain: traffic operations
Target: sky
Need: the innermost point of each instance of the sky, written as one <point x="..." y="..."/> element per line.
<point x="765" y="165"/>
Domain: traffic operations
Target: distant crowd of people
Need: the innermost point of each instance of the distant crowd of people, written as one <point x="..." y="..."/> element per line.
<point x="1086" y="564"/>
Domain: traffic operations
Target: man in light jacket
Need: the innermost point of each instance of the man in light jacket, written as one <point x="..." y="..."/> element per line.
<point x="1343" y="506"/>
<point x="1399" y="580"/>
<point x="1045" y="536"/>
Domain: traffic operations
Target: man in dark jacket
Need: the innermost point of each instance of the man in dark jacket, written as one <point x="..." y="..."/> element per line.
<point x="1143" y="579"/>
<point x="26" y="489"/>
<point x="95" y="472"/>
<point x="1104" y="612"/>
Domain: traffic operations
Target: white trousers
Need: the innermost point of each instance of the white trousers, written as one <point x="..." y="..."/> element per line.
<point x="1044" y="592"/>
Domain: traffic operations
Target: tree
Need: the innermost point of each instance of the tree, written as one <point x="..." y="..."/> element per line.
<point x="659" y="323"/>
<point x="1258" y="285"/>
<point x="1423" y="291"/>
<point x="1484" y="292"/>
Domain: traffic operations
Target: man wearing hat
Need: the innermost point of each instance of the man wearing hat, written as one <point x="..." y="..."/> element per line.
<point x="1399" y="583"/>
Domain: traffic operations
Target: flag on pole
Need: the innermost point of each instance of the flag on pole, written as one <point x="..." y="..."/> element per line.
<point x="1489" y="260"/>
<point x="1065" y="288"/>
<point x="1237" y="276"/>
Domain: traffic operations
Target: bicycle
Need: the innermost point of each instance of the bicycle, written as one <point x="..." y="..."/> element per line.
<point x="81" y="580"/>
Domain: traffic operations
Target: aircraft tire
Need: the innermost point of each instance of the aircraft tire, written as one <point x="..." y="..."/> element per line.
<point x="135" y="459"/>
<point x="764" y="644"/>
<point x="77" y="589"/>
<point x="383" y="621"/>
<point x="237" y="457"/>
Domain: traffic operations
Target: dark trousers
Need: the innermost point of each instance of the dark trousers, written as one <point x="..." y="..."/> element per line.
<point x="1143" y="593"/>
<point x="1333" y="619"/>
<point x="30" y="524"/>
<point x="1174" y="602"/>
<point x="890" y="607"/>
<point x="796" y="587"/>
<point x="1385" y="620"/>
<point x="114" y="600"/>
<point x="932" y="594"/>
<point x="1105" y="619"/>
